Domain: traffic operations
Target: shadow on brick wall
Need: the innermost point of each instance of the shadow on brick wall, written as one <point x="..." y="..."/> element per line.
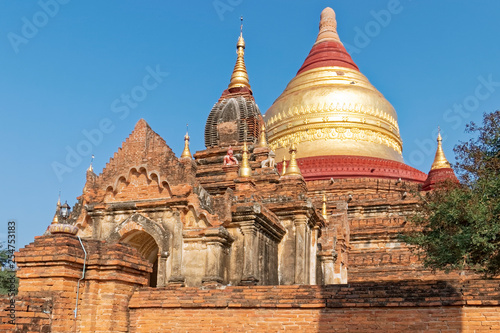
<point x="399" y="306"/>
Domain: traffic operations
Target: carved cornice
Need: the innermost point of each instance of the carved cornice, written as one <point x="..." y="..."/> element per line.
<point x="218" y="235"/>
<point x="333" y="109"/>
<point x="343" y="166"/>
<point x="331" y="132"/>
<point x="253" y="217"/>
<point x="126" y="206"/>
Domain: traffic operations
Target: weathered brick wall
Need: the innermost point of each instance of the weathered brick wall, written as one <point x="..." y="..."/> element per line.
<point x="52" y="265"/>
<point x="389" y="320"/>
<point x="109" y="300"/>
<point x="392" y="307"/>
<point x="406" y="306"/>
<point x="32" y="314"/>
<point x="299" y="320"/>
<point x="377" y="210"/>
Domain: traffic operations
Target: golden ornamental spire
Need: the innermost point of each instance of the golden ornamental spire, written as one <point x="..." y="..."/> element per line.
<point x="55" y="220"/>
<point x="186" y="153"/>
<point x="283" y="171"/>
<point x="262" y="141"/>
<point x="323" y="208"/>
<point x="440" y="161"/>
<point x="239" y="78"/>
<point x="245" y="169"/>
<point x="293" y="167"/>
<point x="328" y="27"/>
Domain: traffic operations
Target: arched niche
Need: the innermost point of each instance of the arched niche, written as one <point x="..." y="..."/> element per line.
<point x="150" y="239"/>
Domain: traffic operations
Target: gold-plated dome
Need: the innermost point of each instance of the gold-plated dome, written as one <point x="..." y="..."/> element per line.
<point x="440" y="161"/>
<point x="330" y="108"/>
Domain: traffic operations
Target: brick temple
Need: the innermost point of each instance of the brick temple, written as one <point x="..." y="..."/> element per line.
<point x="287" y="221"/>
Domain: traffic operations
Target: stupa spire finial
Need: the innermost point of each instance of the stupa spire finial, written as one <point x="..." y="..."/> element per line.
<point x="440" y="161"/>
<point x="239" y="78"/>
<point x="186" y="153"/>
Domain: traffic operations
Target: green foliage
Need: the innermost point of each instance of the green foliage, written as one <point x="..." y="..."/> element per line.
<point x="6" y="273"/>
<point x="458" y="226"/>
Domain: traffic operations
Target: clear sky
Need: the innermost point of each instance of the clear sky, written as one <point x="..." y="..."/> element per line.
<point x="66" y="68"/>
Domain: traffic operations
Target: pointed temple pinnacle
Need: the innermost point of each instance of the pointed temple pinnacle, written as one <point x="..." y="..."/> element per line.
<point x="186" y="153"/>
<point x="245" y="169"/>
<point x="55" y="220"/>
<point x="328" y="50"/>
<point x="283" y="171"/>
<point x="239" y="78"/>
<point x="293" y="167"/>
<point x="328" y="27"/>
<point x="262" y="139"/>
<point x="440" y="161"/>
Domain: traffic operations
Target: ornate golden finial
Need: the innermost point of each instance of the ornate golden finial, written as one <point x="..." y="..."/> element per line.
<point x="323" y="208"/>
<point x="239" y="78"/>
<point x="262" y="140"/>
<point x="58" y="209"/>
<point x="440" y="161"/>
<point x="283" y="170"/>
<point x="293" y="167"/>
<point x="245" y="169"/>
<point x="90" y="169"/>
<point x="186" y="153"/>
<point x="328" y="27"/>
<point x="56" y="217"/>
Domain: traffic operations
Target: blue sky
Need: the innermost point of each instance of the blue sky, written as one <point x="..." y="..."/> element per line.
<point x="65" y="67"/>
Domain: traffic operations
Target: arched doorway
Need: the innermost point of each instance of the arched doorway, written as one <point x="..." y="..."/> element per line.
<point x="147" y="247"/>
<point x="150" y="239"/>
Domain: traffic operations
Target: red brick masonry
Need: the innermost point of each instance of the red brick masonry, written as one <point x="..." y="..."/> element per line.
<point x="33" y="314"/>
<point x="405" y="306"/>
<point x="112" y="299"/>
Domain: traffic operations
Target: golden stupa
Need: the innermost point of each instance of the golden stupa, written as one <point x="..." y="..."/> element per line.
<point x="330" y="108"/>
<point x="440" y="161"/>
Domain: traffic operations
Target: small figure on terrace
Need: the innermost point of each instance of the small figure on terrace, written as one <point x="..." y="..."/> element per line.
<point x="269" y="162"/>
<point x="229" y="159"/>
